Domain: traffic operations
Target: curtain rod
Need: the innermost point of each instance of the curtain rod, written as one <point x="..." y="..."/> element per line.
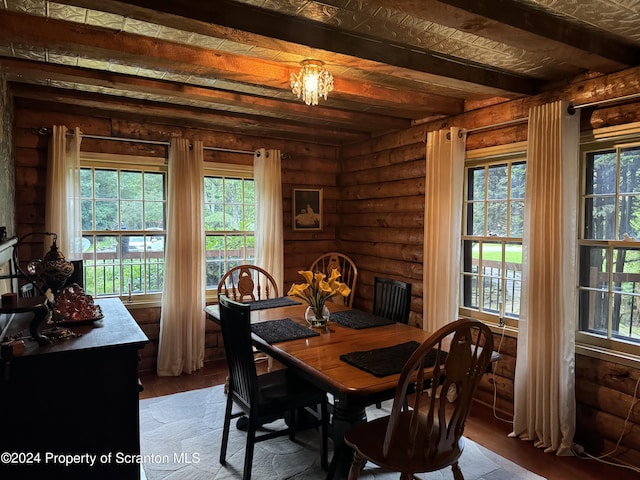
<point x="495" y="125"/>
<point x="571" y="109"/>
<point x="46" y="131"/>
<point x="632" y="96"/>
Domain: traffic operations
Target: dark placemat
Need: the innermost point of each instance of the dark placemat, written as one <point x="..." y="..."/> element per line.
<point x="382" y="362"/>
<point x="272" y="303"/>
<point x="358" y="319"/>
<point x="274" y="331"/>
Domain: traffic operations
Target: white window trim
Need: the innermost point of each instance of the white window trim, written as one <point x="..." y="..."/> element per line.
<point x="96" y="160"/>
<point x="225" y="170"/>
<point x="112" y="160"/>
<point x="589" y="344"/>
<point x="480" y="156"/>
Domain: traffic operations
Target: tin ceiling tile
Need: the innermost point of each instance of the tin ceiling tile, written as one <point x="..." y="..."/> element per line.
<point x="175" y="35"/>
<point x="69" y="13"/>
<point x="132" y="25"/>
<point x="32" y="7"/>
<point x="124" y="69"/>
<point x="92" y="63"/>
<point x="63" y="59"/>
<point x="105" y="20"/>
<point x="27" y="52"/>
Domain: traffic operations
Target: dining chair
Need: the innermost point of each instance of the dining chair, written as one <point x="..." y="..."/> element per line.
<point x="346" y="267"/>
<point x="28" y="290"/>
<point x="445" y="371"/>
<point x="392" y="299"/>
<point x="267" y="397"/>
<point x="248" y="282"/>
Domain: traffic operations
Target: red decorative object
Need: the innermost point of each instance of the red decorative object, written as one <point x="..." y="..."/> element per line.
<point x="73" y="305"/>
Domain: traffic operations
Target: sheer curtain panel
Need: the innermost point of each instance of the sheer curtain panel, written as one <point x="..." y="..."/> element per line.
<point x="442" y="226"/>
<point x="268" y="192"/>
<point x="182" y="322"/>
<point x="62" y="206"/>
<point x="544" y="396"/>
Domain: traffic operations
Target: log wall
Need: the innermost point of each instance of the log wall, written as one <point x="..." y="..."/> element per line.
<point x="374" y="212"/>
<point x="382" y="210"/>
<point x="303" y="165"/>
<point x="7" y="170"/>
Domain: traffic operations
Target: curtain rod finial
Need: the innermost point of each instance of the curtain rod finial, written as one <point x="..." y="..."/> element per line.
<point x="41" y="131"/>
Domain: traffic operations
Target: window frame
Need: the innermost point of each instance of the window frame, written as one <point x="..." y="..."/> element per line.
<point x="588" y="342"/>
<point x="218" y="169"/>
<point x="515" y="153"/>
<point x="97" y="160"/>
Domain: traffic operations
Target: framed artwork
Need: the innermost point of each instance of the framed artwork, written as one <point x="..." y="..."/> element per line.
<point x="307" y="209"/>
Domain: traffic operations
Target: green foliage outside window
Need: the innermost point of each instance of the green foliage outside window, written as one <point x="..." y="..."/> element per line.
<point x="229" y="219"/>
<point x="609" y="248"/>
<point x="123" y="222"/>
<point x="492" y="238"/>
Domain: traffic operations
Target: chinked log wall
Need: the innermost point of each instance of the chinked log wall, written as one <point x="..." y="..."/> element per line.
<point x="381" y="211"/>
<point x="304" y="165"/>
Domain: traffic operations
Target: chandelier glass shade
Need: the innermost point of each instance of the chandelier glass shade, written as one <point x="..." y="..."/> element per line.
<point x="312" y="82"/>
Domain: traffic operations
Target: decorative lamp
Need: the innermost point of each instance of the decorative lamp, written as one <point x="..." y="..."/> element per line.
<point x="54" y="269"/>
<point x="312" y="82"/>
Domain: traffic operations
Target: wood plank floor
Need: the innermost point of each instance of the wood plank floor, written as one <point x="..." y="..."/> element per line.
<point x="482" y="427"/>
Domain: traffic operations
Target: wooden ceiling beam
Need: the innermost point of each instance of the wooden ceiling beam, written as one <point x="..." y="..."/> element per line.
<point x="151" y="53"/>
<point x="318" y="35"/>
<point x="215" y="99"/>
<point x="157" y="112"/>
<point x="415" y="81"/>
<point x="535" y="30"/>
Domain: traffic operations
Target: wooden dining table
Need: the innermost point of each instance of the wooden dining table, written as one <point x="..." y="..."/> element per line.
<point x="317" y="358"/>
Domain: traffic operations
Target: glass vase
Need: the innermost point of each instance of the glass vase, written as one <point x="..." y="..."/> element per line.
<point x="316" y="319"/>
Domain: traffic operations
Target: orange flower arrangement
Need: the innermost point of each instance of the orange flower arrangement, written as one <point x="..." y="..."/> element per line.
<point x="317" y="289"/>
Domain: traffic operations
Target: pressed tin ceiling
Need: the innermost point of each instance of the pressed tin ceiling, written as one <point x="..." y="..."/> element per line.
<point x="394" y="62"/>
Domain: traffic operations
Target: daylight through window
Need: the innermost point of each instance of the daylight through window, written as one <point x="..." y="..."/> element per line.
<point x="229" y="222"/>
<point x="493" y="220"/>
<point x="123" y="230"/>
<point x="609" y="286"/>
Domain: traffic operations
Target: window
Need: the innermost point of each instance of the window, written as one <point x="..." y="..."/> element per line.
<point x="609" y="247"/>
<point x="493" y="220"/>
<point x="123" y="226"/>
<point x="229" y="220"/>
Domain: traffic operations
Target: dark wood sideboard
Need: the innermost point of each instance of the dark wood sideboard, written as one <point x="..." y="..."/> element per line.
<point x="74" y="401"/>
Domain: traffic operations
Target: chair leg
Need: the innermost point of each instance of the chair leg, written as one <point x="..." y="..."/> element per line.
<point x="324" y="417"/>
<point x="225" y="431"/>
<point x="248" y="455"/>
<point x="457" y="473"/>
<point x="293" y="424"/>
<point x="356" y="466"/>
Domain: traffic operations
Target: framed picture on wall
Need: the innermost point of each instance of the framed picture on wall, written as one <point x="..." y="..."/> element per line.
<point x="307" y="209"/>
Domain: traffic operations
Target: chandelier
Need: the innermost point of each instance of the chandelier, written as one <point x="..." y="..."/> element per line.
<point x="313" y="82"/>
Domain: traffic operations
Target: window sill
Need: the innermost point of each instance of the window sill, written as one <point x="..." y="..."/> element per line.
<point x="496" y="328"/>
<point x="137" y="302"/>
<point x="621" y="358"/>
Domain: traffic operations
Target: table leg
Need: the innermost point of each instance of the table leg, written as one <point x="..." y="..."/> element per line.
<point x="344" y="417"/>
